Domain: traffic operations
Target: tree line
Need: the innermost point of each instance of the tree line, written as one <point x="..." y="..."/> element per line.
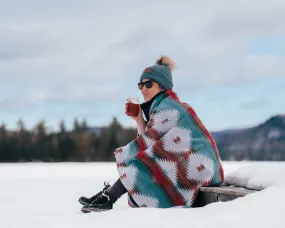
<point x="83" y="144"/>
<point x="80" y="144"/>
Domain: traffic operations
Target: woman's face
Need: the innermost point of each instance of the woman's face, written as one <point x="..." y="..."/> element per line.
<point x="149" y="93"/>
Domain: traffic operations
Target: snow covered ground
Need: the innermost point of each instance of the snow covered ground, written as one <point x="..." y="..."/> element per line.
<point x="44" y="195"/>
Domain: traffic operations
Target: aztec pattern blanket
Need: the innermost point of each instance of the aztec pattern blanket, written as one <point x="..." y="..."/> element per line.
<point x="165" y="166"/>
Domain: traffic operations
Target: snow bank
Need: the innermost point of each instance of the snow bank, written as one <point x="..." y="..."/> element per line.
<point x="258" y="176"/>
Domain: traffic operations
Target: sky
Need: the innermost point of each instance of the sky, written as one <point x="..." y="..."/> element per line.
<point x="63" y="59"/>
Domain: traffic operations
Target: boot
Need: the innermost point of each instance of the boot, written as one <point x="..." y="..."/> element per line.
<point x="104" y="202"/>
<point x="86" y="201"/>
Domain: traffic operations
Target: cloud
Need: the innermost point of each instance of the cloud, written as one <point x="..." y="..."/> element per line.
<point x="243" y="19"/>
<point x="265" y="65"/>
<point x="256" y="104"/>
<point x="62" y="95"/>
<point x="88" y="51"/>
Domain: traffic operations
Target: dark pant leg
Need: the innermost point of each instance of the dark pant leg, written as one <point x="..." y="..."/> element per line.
<point x="117" y="189"/>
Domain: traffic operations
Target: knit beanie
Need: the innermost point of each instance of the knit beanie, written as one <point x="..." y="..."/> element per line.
<point x="160" y="72"/>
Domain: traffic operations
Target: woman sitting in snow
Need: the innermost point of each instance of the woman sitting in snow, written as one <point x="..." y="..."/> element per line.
<point x="172" y="156"/>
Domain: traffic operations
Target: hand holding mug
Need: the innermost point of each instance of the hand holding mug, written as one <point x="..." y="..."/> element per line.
<point x="133" y="109"/>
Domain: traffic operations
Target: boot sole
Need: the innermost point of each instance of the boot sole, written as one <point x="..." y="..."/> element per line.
<point x="83" y="203"/>
<point x="85" y="211"/>
<point x="88" y="210"/>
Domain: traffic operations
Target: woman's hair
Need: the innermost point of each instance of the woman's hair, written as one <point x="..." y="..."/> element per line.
<point x="160" y="87"/>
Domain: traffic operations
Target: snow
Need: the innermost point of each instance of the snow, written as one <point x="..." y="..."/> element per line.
<point x="45" y="195"/>
<point x="258" y="176"/>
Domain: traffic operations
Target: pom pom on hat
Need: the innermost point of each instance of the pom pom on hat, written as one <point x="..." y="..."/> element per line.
<point x="165" y="60"/>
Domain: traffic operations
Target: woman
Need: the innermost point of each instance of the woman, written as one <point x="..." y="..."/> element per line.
<point x="172" y="156"/>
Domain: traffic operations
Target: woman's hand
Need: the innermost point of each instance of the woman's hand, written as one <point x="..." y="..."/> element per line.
<point x="138" y="118"/>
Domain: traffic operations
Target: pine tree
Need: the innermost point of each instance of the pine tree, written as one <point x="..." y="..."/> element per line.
<point x="3" y="133"/>
<point x="62" y="127"/>
<point x="23" y="143"/>
<point x="84" y="125"/>
<point x="76" y="125"/>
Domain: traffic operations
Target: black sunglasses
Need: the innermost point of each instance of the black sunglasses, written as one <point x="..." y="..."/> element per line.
<point x="148" y="84"/>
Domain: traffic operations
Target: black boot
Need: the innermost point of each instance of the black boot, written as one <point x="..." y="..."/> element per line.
<point x="86" y="201"/>
<point x="104" y="202"/>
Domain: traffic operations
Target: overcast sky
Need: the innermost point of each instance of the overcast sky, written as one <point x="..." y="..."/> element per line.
<point x="63" y="59"/>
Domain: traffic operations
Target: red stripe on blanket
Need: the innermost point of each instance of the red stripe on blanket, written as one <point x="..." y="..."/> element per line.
<point x="181" y="169"/>
<point x="153" y="134"/>
<point x="158" y="175"/>
<point x="162" y="180"/>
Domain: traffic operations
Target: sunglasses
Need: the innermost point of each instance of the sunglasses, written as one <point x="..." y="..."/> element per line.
<point x="147" y="84"/>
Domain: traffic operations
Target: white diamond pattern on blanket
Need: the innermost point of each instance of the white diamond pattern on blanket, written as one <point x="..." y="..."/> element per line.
<point x="177" y="140"/>
<point x="187" y="195"/>
<point x="121" y="153"/>
<point x="200" y="168"/>
<point x="165" y="120"/>
<point x="149" y="152"/>
<point x="170" y="169"/>
<point x="148" y="141"/>
<point x="129" y="174"/>
<point x="145" y="201"/>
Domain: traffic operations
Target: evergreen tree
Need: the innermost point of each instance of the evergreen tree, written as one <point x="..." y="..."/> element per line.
<point x="41" y="149"/>
<point x="62" y="127"/>
<point x="66" y="147"/>
<point x="84" y="125"/>
<point x="3" y="133"/>
<point x="76" y="125"/>
<point x="3" y="139"/>
<point x="23" y="142"/>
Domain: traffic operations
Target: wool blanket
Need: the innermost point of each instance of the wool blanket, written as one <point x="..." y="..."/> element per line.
<point x="167" y="164"/>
